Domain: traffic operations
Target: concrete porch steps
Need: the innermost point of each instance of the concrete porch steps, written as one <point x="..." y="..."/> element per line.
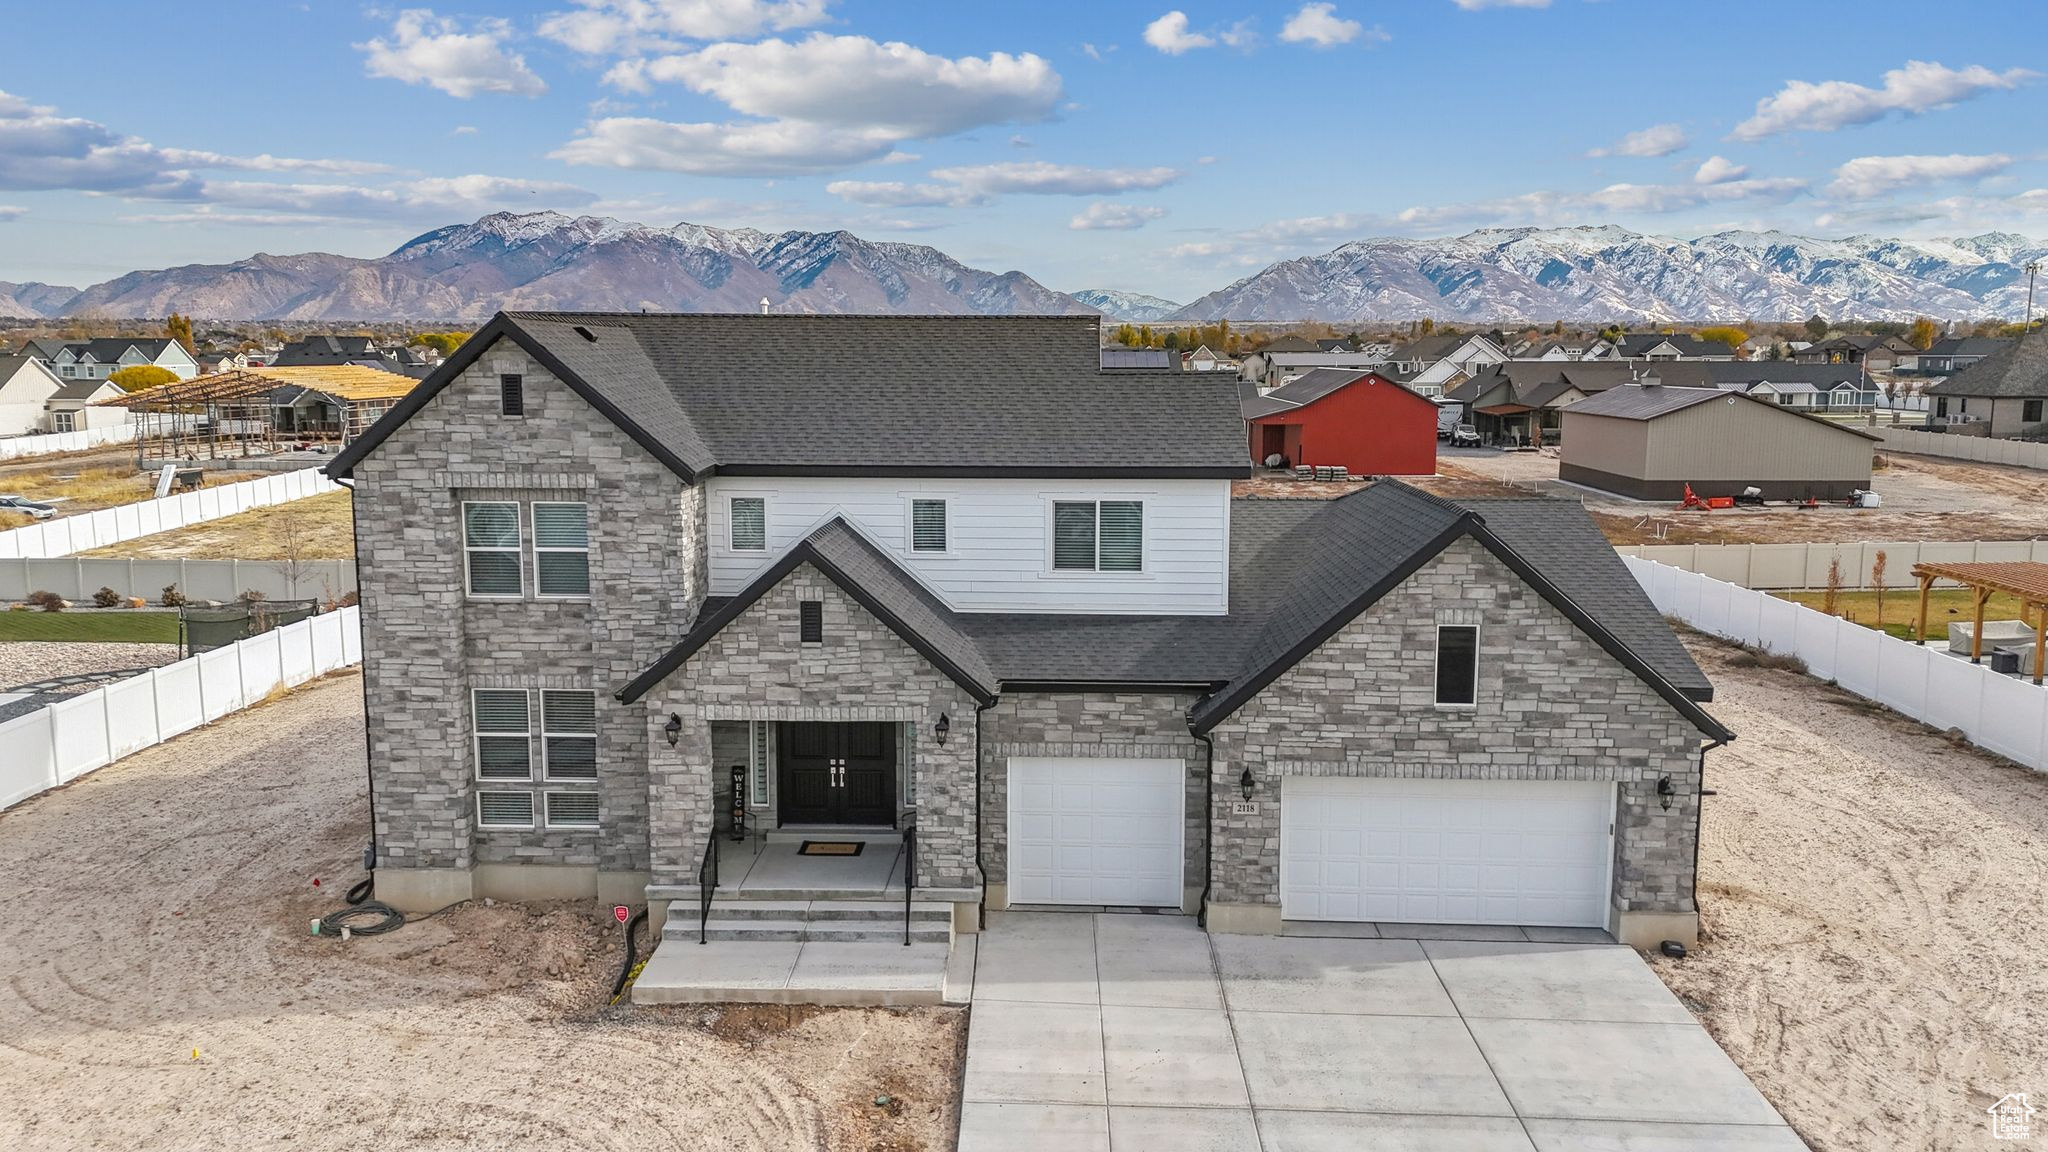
<point x="852" y="921"/>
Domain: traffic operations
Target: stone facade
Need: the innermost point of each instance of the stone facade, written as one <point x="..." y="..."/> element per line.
<point x="755" y="669"/>
<point x="1135" y="725"/>
<point x="1552" y="705"/>
<point x="428" y="643"/>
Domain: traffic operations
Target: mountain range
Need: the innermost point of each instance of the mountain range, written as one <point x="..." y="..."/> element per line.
<point x="546" y="260"/>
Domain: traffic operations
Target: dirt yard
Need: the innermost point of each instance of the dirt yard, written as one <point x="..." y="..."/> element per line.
<point x="317" y="528"/>
<point x="1871" y="899"/>
<point x="162" y="991"/>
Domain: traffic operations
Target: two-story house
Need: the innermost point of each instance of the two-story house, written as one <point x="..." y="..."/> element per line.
<point x="634" y="584"/>
<point x="101" y="358"/>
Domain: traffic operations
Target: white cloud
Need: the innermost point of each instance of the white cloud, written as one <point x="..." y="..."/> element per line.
<point x="187" y="158"/>
<point x="1170" y="34"/>
<point x="1242" y="34"/>
<point x="609" y="27"/>
<point x="418" y="199"/>
<point x="1094" y="53"/>
<point x="1870" y="176"/>
<point x="431" y="50"/>
<point x="1319" y="24"/>
<point x="1477" y="5"/>
<point x="464" y="130"/>
<point x="825" y="103"/>
<point x="1719" y="170"/>
<point x="1046" y="178"/>
<point x="1656" y="140"/>
<point x="1918" y="87"/>
<point x="11" y="212"/>
<point x="896" y="194"/>
<point x="1104" y="215"/>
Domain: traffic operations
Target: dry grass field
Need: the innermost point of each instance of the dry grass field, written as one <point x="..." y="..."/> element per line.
<point x="317" y="528"/>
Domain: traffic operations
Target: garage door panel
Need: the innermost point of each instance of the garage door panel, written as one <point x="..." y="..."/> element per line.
<point x="1445" y="851"/>
<point x="1096" y="831"/>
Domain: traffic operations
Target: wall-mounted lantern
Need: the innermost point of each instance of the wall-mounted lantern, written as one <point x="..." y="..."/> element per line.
<point x="942" y="727"/>
<point x="673" y="729"/>
<point x="1665" y="792"/>
<point x="1245" y="783"/>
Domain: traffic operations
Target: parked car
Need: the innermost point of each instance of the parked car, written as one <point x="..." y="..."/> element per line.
<point x="1464" y="436"/>
<point x="38" y="510"/>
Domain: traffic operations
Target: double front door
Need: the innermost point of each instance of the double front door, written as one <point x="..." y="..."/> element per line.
<point x="838" y="773"/>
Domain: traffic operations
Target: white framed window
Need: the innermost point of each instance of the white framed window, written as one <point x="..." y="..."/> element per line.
<point x="568" y="744"/>
<point x="747" y="524"/>
<point x="906" y="761"/>
<point x="571" y="809"/>
<point x="561" y="549"/>
<point x="1457" y="665"/>
<point x="70" y="373"/>
<point x="490" y="544"/>
<point x="759" y="756"/>
<point x="1098" y="535"/>
<point x="928" y="528"/>
<point x="504" y="809"/>
<point x="503" y="734"/>
<point x="63" y="421"/>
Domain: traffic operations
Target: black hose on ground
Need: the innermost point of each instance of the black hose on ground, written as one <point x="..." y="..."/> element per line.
<point x="626" y="969"/>
<point x="369" y="918"/>
<point x="361" y="892"/>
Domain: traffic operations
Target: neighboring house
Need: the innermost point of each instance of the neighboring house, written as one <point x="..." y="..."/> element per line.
<point x="1817" y="387"/>
<point x="1522" y="402"/>
<point x="101" y="358"/>
<point x="26" y="385"/>
<point x="1952" y="355"/>
<point x="1203" y="360"/>
<point x="1361" y="421"/>
<point x="1650" y="442"/>
<point x="1441" y="362"/>
<point x="2000" y="395"/>
<point x="1572" y="350"/>
<point x="938" y="572"/>
<point x="1874" y="353"/>
<point x="1292" y="356"/>
<point x="362" y="351"/>
<point x="73" y="407"/>
<point x="1670" y="346"/>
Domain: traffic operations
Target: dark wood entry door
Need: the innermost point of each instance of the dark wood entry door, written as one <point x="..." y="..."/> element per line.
<point x="838" y="773"/>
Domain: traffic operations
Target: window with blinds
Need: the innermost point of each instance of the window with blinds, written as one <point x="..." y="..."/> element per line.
<point x="749" y="527"/>
<point x="572" y="809"/>
<point x="1098" y="536"/>
<point x="504" y="809"/>
<point x="927" y="525"/>
<point x="569" y="734"/>
<point x="490" y="542"/>
<point x="503" y="736"/>
<point x="561" y="549"/>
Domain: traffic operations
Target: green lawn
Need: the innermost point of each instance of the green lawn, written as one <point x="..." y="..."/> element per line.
<point x="126" y="627"/>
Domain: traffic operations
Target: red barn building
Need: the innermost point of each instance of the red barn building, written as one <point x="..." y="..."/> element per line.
<point x="1343" y="416"/>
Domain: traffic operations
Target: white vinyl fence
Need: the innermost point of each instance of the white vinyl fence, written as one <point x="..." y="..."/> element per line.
<point x="2009" y="716"/>
<point x="77" y="578"/>
<point x="1982" y="449"/>
<point x="70" y="534"/>
<point x="14" y="447"/>
<point x="1793" y="566"/>
<point x="66" y="740"/>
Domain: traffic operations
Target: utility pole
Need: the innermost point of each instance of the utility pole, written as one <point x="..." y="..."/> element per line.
<point x="2032" y="270"/>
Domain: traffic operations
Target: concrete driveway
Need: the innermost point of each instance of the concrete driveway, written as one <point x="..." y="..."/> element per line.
<point x="1092" y="1032"/>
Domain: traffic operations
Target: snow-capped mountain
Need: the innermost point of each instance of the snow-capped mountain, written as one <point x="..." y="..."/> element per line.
<point x="1135" y="307"/>
<point x="1597" y="275"/>
<point x="547" y="260"/>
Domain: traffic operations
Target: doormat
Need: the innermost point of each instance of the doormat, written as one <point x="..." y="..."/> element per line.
<point x="831" y="847"/>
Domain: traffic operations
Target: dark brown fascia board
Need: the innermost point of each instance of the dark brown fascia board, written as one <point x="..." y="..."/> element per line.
<point x="802" y="553"/>
<point x="500" y="326"/>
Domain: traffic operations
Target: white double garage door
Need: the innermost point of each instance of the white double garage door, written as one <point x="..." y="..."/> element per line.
<point x="1101" y="831"/>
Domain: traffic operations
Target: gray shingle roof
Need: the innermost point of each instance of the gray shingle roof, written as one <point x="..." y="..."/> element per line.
<point x="1651" y="403"/>
<point x="2018" y="369"/>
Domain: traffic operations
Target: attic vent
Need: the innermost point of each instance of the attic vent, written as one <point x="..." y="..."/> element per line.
<point x="811" y="622"/>
<point x="512" y="394"/>
<point x="586" y="333"/>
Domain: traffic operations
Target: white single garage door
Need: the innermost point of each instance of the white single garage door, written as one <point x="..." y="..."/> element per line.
<point x="1096" y="831"/>
<point x="1445" y="851"/>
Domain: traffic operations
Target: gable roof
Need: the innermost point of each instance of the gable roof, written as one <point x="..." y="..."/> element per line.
<point x="1291" y="343"/>
<point x="2019" y="369"/>
<point x="84" y="389"/>
<point x="1638" y="403"/>
<point x="12" y="366"/>
<point x="1966" y="346"/>
<point x="1638" y="343"/>
<point x="874" y="581"/>
<point x="782" y="394"/>
<point x="1312" y="386"/>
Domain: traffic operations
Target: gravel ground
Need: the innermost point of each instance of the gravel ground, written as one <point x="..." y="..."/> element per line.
<point x="27" y="662"/>
<point x="162" y="992"/>
<point x="1871" y="903"/>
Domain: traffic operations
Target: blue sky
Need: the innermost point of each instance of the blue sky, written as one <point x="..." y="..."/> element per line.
<point x="1145" y="147"/>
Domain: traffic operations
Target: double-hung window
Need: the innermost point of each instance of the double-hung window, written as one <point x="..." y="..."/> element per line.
<point x="503" y="733"/>
<point x="748" y="530"/>
<point x="561" y="549"/>
<point x="490" y="542"/>
<point x="1098" y="535"/>
<point x="568" y="734"/>
<point x="1457" y="665"/>
<point x="927" y="525"/>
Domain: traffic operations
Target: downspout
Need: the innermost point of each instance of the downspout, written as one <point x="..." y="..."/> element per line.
<point x="1700" y="823"/>
<point x="1208" y="826"/>
<point x="980" y="871"/>
<point x="369" y="775"/>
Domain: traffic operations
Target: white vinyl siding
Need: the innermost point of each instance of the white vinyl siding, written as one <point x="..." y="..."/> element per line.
<point x="999" y="539"/>
<point x="561" y="549"/>
<point x="504" y="809"/>
<point x="928" y="525"/>
<point x="569" y="734"/>
<point x="490" y="540"/>
<point x="503" y="734"/>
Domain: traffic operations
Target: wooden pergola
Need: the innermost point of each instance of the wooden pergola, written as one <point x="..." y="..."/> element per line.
<point x="2026" y="581"/>
<point x="185" y="418"/>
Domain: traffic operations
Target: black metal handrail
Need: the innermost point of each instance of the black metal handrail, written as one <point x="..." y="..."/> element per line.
<point x="909" y="875"/>
<point x="707" y="885"/>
